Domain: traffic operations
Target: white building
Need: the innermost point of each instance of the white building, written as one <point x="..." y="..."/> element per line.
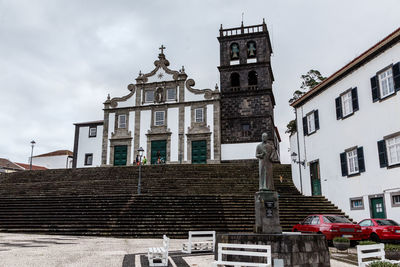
<point x="87" y="144"/>
<point x="60" y="159"/>
<point x="349" y="135"/>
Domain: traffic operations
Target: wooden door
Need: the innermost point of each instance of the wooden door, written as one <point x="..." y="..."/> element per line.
<point x="199" y="152"/>
<point x="120" y="155"/>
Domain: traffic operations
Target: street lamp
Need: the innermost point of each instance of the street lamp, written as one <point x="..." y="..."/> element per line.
<point x="140" y="151"/>
<point x="32" y="145"/>
<point x="294" y="159"/>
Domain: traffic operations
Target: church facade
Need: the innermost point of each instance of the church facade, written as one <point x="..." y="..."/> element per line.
<point x="173" y="122"/>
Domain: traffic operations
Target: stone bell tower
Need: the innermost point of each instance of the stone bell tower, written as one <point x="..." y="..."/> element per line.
<point x="246" y="77"/>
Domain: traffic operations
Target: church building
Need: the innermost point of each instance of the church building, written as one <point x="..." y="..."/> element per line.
<point x="174" y="122"/>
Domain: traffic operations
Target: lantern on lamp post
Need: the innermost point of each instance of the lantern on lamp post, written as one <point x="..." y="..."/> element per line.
<point x="140" y="151"/>
<point x="32" y="145"/>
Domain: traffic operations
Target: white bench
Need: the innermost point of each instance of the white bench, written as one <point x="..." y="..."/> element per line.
<point x="246" y="250"/>
<point x="199" y="241"/>
<point x="371" y="251"/>
<point x="158" y="256"/>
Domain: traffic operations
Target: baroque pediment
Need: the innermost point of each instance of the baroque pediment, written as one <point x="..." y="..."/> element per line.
<point x="161" y="72"/>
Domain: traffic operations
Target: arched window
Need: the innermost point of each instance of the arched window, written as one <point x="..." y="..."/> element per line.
<point x="251" y="49"/>
<point x="252" y="78"/>
<point x="235" y="79"/>
<point x="235" y="51"/>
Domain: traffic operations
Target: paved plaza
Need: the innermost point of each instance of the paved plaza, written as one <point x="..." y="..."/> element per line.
<point x="20" y="250"/>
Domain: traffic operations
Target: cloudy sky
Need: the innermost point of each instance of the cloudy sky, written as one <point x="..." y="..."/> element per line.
<point x="59" y="59"/>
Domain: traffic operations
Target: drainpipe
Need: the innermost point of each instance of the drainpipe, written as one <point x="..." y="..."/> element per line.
<point x="298" y="152"/>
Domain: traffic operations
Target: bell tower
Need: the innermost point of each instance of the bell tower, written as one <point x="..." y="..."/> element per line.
<point x="247" y="100"/>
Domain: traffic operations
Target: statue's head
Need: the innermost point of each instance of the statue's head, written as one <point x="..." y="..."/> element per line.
<point x="264" y="137"/>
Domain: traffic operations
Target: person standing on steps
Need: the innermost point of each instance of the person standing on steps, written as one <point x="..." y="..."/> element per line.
<point x="158" y="157"/>
<point x="144" y="160"/>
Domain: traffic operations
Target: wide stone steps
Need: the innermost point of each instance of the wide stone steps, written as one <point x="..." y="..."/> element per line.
<point x="175" y="199"/>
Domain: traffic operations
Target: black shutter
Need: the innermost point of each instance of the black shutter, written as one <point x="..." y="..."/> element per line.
<point x="343" y="163"/>
<point x="316" y="120"/>
<point x="305" y="130"/>
<point x="338" y="102"/>
<point x="354" y="97"/>
<point x="360" y="156"/>
<point x="375" y="89"/>
<point x="396" y="76"/>
<point x="382" y="153"/>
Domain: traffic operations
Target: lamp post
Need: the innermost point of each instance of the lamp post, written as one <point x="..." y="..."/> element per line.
<point x="294" y="155"/>
<point x="32" y="145"/>
<point x="140" y="151"/>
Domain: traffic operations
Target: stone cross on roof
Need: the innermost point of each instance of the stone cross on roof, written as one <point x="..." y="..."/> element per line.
<point x="162" y="49"/>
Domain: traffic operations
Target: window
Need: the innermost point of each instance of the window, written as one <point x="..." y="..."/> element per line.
<point x="235" y="51"/>
<point x="88" y="159"/>
<point x="389" y="151"/>
<point x="366" y="223"/>
<point x="235" y="79"/>
<point x="199" y="116"/>
<point x="308" y="220"/>
<point x="386" y="82"/>
<point x="315" y="220"/>
<point x="311" y="123"/>
<point x="159" y="118"/>
<point x="251" y="49"/>
<point x="92" y="131"/>
<point x="245" y="130"/>
<point x="396" y="200"/>
<point x="352" y="161"/>
<point x="393" y="150"/>
<point x="346" y="104"/>
<point x="122" y="121"/>
<point x="252" y="78"/>
<point x="149" y="96"/>
<point x="171" y="94"/>
<point x="356" y="204"/>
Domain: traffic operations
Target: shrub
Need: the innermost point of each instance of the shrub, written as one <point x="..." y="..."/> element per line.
<point x="392" y="247"/>
<point x="341" y="240"/>
<point x="383" y="264"/>
<point x="367" y="242"/>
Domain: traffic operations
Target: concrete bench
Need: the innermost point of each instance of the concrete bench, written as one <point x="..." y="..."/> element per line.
<point x="371" y="251"/>
<point x="199" y="241"/>
<point x="158" y="256"/>
<point x="263" y="251"/>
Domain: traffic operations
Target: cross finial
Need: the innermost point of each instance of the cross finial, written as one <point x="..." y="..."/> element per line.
<point x="162" y="49"/>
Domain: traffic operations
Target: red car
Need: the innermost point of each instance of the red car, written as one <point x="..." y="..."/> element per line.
<point x="331" y="226"/>
<point x="380" y="230"/>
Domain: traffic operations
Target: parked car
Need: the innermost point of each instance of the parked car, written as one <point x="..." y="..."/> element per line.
<point x="380" y="230"/>
<point x="331" y="226"/>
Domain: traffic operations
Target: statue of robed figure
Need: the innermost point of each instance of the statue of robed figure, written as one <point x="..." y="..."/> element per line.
<point x="266" y="154"/>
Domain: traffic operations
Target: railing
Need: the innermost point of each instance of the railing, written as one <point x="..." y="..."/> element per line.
<point x="243" y="30"/>
<point x="244" y="88"/>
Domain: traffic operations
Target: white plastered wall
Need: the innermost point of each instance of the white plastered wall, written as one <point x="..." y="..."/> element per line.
<point x="89" y="145"/>
<point x="132" y="130"/>
<point x="145" y="121"/>
<point x="238" y="151"/>
<point x="187" y="124"/>
<point x="111" y="124"/>
<point x="210" y="122"/>
<point x="173" y="125"/>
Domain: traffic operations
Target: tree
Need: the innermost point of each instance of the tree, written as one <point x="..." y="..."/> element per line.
<point x="309" y="80"/>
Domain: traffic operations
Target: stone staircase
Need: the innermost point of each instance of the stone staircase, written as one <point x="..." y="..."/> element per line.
<point x="174" y="200"/>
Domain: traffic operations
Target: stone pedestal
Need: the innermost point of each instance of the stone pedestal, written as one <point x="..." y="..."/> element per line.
<point x="299" y="250"/>
<point x="267" y="212"/>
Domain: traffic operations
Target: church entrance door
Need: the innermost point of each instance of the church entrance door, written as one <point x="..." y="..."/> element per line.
<point x="158" y="149"/>
<point x="199" y="152"/>
<point x="120" y="155"/>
